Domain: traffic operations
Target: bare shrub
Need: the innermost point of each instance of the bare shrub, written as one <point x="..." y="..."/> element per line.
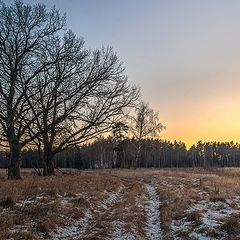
<point x="7" y="202"/>
<point x="232" y="225"/>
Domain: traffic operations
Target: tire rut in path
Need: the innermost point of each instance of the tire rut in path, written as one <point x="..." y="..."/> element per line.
<point x="95" y="226"/>
<point x="153" y="214"/>
<point x="152" y="208"/>
<point x="85" y="227"/>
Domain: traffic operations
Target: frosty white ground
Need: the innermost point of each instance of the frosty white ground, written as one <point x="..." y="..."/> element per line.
<point x="153" y="214"/>
<point x="77" y="229"/>
<point x="73" y="230"/>
<point x="120" y="232"/>
<point x="212" y="214"/>
<point x="112" y="198"/>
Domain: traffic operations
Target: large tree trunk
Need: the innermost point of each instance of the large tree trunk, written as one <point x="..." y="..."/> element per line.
<point x="14" y="162"/>
<point x="48" y="163"/>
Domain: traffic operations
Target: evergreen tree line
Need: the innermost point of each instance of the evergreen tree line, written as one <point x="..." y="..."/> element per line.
<point x="154" y="153"/>
<point x="160" y="154"/>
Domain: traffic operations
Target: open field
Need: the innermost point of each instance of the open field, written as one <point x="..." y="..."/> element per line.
<point x="122" y="204"/>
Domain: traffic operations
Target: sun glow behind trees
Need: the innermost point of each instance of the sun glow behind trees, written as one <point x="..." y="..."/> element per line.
<point x="187" y="62"/>
<point x="217" y="120"/>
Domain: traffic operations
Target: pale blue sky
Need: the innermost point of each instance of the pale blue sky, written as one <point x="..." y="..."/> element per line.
<point x="185" y="54"/>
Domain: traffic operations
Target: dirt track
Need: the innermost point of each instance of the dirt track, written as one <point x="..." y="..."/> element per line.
<point x="123" y="204"/>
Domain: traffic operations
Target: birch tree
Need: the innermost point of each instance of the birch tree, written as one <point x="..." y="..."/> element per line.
<point x="145" y="123"/>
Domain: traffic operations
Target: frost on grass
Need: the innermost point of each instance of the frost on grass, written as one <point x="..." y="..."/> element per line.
<point x="120" y="232"/>
<point x="153" y="214"/>
<point x="129" y="216"/>
<point x="31" y="200"/>
<point x="203" y="221"/>
<point x="77" y="229"/>
<point x="74" y="230"/>
<point x="111" y="198"/>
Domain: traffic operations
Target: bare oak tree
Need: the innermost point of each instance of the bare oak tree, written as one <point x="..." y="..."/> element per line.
<point x="24" y="37"/>
<point x="52" y="91"/>
<point x="79" y="99"/>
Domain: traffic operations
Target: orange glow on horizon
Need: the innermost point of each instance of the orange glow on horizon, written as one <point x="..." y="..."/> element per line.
<point x="218" y="120"/>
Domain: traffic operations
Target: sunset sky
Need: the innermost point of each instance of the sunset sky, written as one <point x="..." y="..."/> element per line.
<point x="184" y="54"/>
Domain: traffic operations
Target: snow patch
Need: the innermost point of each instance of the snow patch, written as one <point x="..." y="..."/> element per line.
<point x="77" y="229"/>
<point x="153" y="214"/>
<point x="120" y="232"/>
<point x="74" y="230"/>
<point x="211" y="216"/>
<point x="112" y="198"/>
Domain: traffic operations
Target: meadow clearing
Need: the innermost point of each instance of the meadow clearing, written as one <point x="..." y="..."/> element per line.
<point x="122" y="204"/>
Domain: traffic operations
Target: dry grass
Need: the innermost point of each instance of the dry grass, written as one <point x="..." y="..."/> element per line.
<point x="232" y="225"/>
<point x="179" y="189"/>
<point x="35" y="207"/>
<point x="40" y="217"/>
